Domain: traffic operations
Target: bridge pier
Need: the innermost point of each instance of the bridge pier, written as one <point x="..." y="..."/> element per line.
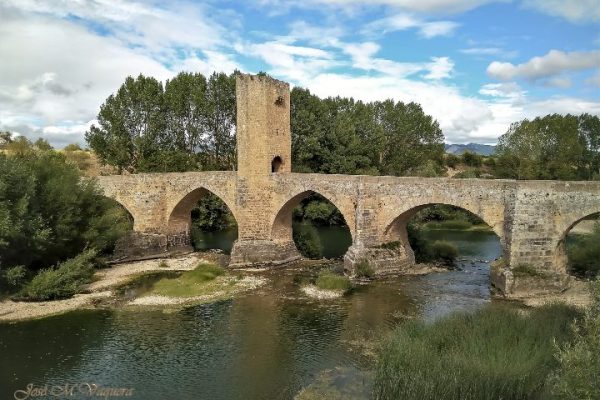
<point x="262" y="252"/>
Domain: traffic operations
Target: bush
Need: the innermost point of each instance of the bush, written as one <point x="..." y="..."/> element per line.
<point x="308" y="242"/>
<point x="15" y="276"/>
<point x="327" y="280"/>
<point x="455" y="224"/>
<point x="584" y="255"/>
<point x="472" y="159"/>
<point x="495" y="353"/>
<point x="363" y="269"/>
<point x="62" y="281"/>
<point x="452" y="160"/>
<point x="444" y="251"/>
<point x="577" y="376"/>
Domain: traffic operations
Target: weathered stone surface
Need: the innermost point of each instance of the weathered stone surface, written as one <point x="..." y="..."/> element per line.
<point x="531" y="218"/>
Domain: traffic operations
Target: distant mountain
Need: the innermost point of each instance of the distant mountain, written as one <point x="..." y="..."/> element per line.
<point x="482" y="149"/>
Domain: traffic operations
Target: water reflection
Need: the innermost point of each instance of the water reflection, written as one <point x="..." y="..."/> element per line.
<point x="266" y="344"/>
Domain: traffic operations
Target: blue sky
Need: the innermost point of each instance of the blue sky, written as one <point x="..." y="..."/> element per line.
<point x="475" y="65"/>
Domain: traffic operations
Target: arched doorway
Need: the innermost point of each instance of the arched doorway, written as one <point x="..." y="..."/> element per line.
<point x="315" y="225"/>
<point x="203" y="221"/>
<point x="579" y="249"/>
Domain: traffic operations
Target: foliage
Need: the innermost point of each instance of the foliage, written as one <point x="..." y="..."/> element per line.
<point x="49" y="213"/>
<point x="584" y="254"/>
<point x="363" y="269"/>
<point x="5" y="138"/>
<point x="341" y="135"/>
<point x="453" y="224"/>
<point x="15" y="276"/>
<point x="579" y="369"/>
<point x="471" y="159"/>
<point x="494" y="353"/>
<point x="62" y="281"/>
<point x="444" y="212"/>
<point x="187" y="125"/>
<point x="452" y="160"/>
<point x="444" y="251"/>
<point x="307" y="241"/>
<point x="319" y="211"/>
<point x="211" y="214"/>
<point x="552" y="147"/>
<point x="328" y="280"/>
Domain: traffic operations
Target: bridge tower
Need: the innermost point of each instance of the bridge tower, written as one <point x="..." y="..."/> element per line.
<point x="264" y="140"/>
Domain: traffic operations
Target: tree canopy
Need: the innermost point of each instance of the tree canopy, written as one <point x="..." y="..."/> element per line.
<point x="563" y="147"/>
<point x="49" y="213"/>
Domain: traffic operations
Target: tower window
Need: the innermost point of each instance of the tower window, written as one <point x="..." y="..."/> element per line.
<point x="276" y="164"/>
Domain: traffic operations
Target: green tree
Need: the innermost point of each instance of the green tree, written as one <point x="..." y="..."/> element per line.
<point x="550" y="147"/>
<point x="5" y="138"/>
<point x="48" y="212"/>
<point x="130" y="125"/>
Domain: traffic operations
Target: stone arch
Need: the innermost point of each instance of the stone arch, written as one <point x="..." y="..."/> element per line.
<point x="125" y="206"/>
<point x="276" y="164"/>
<point x="395" y="229"/>
<point x="560" y="253"/>
<point x="281" y="224"/>
<point x="404" y="216"/>
<point x="179" y="218"/>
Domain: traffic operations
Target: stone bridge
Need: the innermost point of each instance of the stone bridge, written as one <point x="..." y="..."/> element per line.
<point x="531" y="218"/>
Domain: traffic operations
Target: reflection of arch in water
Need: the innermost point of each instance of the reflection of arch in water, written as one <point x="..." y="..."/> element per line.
<point x="395" y="231"/>
<point x="281" y="226"/>
<point x="180" y="219"/>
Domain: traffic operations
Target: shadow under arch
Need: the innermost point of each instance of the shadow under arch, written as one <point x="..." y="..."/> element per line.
<point x="396" y="230"/>
<point x="282" y="223"/>
<point x="561" y="259"/>
<point x="179" y="223"/>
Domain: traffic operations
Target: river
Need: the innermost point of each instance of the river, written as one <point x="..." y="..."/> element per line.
<point x="266" y="344"/>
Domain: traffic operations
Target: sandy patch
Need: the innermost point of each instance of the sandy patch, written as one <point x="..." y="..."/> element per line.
<point x="321" y="294"/>
<point x="21" y="310"/>
<point x="577" y="295"/>
<point x="122" y="273"/>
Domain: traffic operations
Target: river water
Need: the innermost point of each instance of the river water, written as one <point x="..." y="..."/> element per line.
<point x="266" y="344"/>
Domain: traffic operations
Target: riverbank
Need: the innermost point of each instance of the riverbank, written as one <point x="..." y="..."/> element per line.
<point x="106" y="281"/>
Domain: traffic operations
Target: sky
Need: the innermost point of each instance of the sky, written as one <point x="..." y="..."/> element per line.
<point x="476" y="66"/>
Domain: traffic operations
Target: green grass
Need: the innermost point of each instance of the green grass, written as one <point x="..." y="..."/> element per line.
<point x="495" y="353"/>
<point x="363" y="269"/>
<point x="200" y="281"/>
<point x="328" y="280"/>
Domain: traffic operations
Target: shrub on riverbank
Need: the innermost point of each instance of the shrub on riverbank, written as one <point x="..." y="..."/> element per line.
<point x="364" y="270"/>
<point x="444" y="252"/>
<point x="49" y="212"/>
<point x="584" y="254"/>
<point x="495" y="353"/>
<point x="308" y="242"/>
<point x="62" y="281"/>
<point x="579" y="372"/>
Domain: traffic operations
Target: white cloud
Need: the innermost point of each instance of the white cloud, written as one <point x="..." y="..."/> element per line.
<point x="439" y="68"/>
<point x="421" y="6"/>
<point x="551" y="64"/>
<point x="403" y="21"/>
<point x="56" y="73"/>
<point x="572" y="10"/>
<point x="505" y="90"/>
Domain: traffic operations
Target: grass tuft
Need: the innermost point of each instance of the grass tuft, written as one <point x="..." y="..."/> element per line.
<point x="191" y="283"/>
<point x="328" y="280"/>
